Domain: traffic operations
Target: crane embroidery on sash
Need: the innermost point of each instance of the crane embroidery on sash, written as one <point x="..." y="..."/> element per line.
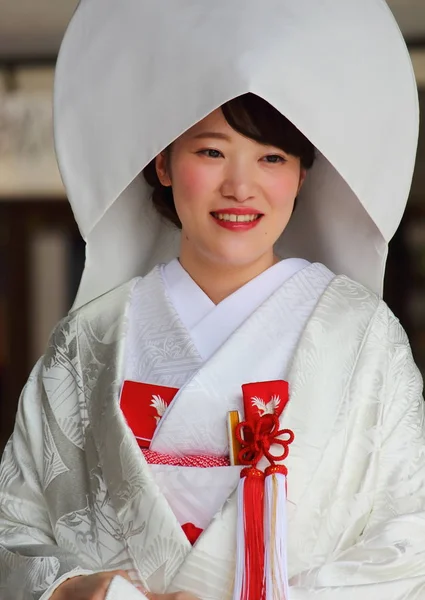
<point x="266" y="408"/>
<point x="159" y="405"/>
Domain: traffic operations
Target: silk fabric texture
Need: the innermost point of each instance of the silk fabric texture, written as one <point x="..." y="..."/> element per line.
<point x="75" y="492"/>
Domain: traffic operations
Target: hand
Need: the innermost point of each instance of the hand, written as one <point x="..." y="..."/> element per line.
<point x="95" y="587"/>
<point x="88" y="587"/>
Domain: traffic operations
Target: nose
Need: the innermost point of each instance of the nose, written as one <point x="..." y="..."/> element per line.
<point x="238" y="183"/>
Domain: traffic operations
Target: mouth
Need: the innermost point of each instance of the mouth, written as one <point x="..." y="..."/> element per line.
<point x="237" y="220"/>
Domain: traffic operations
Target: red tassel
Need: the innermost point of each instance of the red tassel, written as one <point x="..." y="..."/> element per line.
<point x="261" y="552"/>
<point x="253" y="507"/>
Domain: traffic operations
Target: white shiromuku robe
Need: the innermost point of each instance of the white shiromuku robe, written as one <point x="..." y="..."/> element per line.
<point x="77" y="494"/>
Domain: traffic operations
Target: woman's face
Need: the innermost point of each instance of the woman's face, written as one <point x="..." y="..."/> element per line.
<point x="234" y="196"/>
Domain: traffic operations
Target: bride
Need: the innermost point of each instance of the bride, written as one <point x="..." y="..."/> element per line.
<point x="237" y="170"/>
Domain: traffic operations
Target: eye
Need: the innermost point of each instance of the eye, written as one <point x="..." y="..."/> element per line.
<point x="210" y="152"/>
<point x="274" y="159"/>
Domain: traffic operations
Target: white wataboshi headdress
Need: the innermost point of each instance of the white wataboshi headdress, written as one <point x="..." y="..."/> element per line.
<point x="133" y="75"/>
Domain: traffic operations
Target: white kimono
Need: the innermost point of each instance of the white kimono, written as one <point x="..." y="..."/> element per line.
<point x="76" y="492"/>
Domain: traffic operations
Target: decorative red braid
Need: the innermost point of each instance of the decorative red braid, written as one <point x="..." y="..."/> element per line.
<point x="204" y="462"/>
<point x="257" y="440"/>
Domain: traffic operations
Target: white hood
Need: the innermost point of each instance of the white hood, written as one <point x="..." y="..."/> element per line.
<point x="132" y="75"/>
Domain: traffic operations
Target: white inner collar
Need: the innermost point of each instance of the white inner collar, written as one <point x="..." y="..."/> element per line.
<point x="209" y="324"/>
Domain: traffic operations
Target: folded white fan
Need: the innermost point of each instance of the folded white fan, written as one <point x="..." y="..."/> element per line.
<point x="121" y="589"/>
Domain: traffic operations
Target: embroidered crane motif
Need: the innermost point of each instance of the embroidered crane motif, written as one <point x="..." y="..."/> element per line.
<point x="159" y="405"/>
<point x="266" y="408"/>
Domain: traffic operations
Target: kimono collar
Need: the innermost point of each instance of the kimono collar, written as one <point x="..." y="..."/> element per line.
<point x="193" y="305"/>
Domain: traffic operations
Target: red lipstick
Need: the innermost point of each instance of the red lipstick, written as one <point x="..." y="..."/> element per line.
<point x="235" y="225"/>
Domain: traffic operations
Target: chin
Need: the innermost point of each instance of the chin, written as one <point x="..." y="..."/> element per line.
<point x="237" y="259"/>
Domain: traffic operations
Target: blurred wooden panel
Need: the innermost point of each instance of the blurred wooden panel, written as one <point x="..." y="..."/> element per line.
<point x="36" y="290"/>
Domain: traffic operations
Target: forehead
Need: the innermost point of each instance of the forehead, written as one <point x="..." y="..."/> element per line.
<point x="215" y="121"/>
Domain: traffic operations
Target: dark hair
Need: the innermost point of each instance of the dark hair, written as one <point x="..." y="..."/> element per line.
<point x="252" y="117"/>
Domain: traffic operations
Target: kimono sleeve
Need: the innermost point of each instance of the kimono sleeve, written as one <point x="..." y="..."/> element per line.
<point x="30" y="560"/>
<point x="388" y="560"/>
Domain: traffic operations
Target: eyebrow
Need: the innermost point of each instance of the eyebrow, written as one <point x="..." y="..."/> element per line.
<point x="212" y="135"/>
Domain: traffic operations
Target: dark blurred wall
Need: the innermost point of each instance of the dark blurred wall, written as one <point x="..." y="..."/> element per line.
<point x="405" y="278"/>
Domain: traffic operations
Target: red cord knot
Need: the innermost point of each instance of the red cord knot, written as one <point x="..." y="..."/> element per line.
<point x="252" y="473"/>
<point x="276" y="470"/>
<point x="256" y="441"/>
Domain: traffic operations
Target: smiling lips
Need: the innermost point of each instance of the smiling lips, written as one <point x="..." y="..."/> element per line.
<point x="237" y="219"/>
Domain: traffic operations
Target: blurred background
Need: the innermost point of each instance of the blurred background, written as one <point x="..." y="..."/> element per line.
<point x="41" y="253"/>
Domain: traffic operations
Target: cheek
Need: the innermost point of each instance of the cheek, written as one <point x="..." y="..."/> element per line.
<point x="283" y="190"/>
<point x="192" y="181"/>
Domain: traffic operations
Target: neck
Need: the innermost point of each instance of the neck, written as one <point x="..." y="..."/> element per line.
<point x="218" y="281"/>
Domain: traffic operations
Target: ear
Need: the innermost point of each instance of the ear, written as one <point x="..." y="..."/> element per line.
<point x="162" y="168"/>
<point x="303" y="175"/>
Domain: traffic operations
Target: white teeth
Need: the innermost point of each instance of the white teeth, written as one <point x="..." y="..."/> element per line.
<point x="235" y="218"/>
